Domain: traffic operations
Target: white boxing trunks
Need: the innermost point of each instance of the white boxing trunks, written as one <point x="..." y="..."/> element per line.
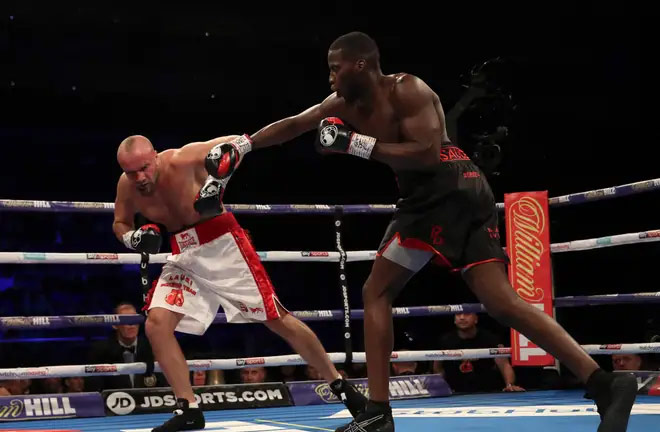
<point x="214" y="264"/>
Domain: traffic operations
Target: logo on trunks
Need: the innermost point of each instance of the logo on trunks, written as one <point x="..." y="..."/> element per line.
<point x="436" y="236"/>
<point x="256" y="310"/>
<point x="471" y="174"/>
<point x="452" y="153"/>
<point x="328" y="135"/>
<point x="175" y="297"/>
<point x="529" y="222"/>
<point x="494" y="233"/>
<point x="186" y="239"/>
<point x="242" y="307"/>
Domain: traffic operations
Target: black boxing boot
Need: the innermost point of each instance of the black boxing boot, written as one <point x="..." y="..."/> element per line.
<point x="377" y="417"/>
<point x="355" y="401"/>
<point x="185" y="418"/>
<point x="614" y="394"/>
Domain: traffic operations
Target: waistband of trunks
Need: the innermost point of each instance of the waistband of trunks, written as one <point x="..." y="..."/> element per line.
<point x="203" y="232"/>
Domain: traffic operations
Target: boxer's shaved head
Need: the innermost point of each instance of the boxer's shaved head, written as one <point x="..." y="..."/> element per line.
<point x="139" y="160"/>
<point x="134" y="143"/>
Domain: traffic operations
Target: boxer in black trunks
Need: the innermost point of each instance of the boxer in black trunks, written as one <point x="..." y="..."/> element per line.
<point x="446" y="213"/>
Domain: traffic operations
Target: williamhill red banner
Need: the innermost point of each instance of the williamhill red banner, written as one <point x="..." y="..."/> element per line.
<point x="528" y="245"/>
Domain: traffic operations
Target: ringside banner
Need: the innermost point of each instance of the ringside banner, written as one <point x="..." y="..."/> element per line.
<point x="528" y="245"/>
<point x="401" y="387"/>
<point x="50" y="406"/>
<point x="160" y="400"/>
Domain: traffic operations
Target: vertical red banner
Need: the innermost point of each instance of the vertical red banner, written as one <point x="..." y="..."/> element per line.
<point x="528" y="246"/>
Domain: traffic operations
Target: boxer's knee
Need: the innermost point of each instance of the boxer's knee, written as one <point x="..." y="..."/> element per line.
<point x="374" y="292"/>
<point x="490" y="284"/>
<point x="385" y="282"/>
<point x="160" y="322"/>
<point x="502" y="313"/>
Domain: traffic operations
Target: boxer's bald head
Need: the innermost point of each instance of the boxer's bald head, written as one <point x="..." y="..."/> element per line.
<point x="354" y="62"/>
<point x="139" y="160"/>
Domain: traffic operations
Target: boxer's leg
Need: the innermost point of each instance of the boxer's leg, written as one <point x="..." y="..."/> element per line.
<point x="614" y="393"/>
<point x="159" y="328"/>
<point x="490" y="284"/>
<point x="304" y="341"/>
<point x="385" y="281"/>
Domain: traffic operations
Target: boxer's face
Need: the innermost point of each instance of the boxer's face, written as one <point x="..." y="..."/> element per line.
<point x="345" y="75"/>
<point x="141" y="167"/>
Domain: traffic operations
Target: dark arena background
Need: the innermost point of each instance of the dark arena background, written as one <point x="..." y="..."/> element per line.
<point x="560" y="112"/>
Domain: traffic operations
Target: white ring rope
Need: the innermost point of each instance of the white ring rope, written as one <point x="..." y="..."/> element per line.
<point x="292" y="360"/>
<point x="299" y="256"/>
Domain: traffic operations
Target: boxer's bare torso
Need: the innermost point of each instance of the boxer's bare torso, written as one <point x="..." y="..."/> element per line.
<point x="180" y="175"/>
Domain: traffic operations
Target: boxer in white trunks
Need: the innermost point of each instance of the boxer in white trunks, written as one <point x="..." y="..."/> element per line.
<point x="213" y="262"/>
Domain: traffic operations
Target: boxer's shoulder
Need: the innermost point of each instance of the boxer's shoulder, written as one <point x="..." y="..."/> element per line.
<point x="166" y="155"/>
<point x="173" y="157"/>
<point x="125" y="191"/>
<point x="405" y="84"/>
<point x="410" y="92"/>
<point x="333" y="105"/>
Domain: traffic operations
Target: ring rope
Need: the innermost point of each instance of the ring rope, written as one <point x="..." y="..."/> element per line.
<point x="101" y="207"/>
<point x="69" y="321"/>
<point x="292" y="360"/>
<point x="296" y="256"/>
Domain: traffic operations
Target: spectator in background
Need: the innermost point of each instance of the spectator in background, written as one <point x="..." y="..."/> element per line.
<point x="10" y="388"/>
<point x="74" y="384"/>
<point x="125" y="346"/>
<point x="312" y="374"/>
<point x="253" y="375"/>
<point x="288" y="373"/>
<point x="404" y="341"/>
<point x="404" y="368"/>
<point x="51" y="386"/>
<point x="24" y="386"/>
<point x="198" y="378"/>
<point x="211" y="377"/>
<point x="480" y="375"/>
<point x="628" y="362"/>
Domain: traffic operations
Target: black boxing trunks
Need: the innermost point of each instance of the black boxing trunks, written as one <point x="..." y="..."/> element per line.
<point x="447" y="215"/>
